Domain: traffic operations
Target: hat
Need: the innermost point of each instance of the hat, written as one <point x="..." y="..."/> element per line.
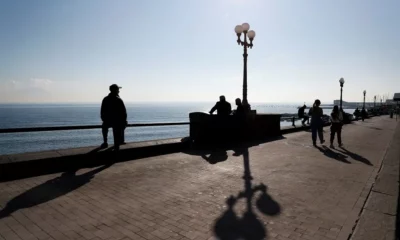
<point x="114" y="86"/>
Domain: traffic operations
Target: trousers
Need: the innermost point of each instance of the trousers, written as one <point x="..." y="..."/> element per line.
<point x="336" y="128"/>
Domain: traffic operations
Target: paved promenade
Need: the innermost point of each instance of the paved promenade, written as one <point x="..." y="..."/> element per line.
<point x="283" y="189"/>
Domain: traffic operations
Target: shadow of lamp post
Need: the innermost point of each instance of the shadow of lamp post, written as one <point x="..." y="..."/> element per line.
<point x="239" y="29"/>
<point x="229" y="226"/>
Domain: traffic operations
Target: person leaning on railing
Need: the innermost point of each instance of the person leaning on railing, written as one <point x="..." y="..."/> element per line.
<point x="222" y="107"/>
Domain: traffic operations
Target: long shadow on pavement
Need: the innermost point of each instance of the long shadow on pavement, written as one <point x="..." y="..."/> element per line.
<point x="331" y="154"/>
<point x="50" y="190"/>
<point x="216" y="157"/>
<point x="355" y="156"/>
<point x="229" y="226"/>
<point x="215" y="153"/>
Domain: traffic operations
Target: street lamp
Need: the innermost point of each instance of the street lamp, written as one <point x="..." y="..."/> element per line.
<point x="341" y="81"/>
<point x="239" y="29"/>
<point x="365" y="92"/>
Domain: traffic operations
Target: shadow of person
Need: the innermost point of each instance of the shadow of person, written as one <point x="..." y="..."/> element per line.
<point x="229" y="226"/>
<point x="49" y="190"/>
<point x="334" y="155"/>
<point x="355" y="156"/>
<point x="215" y="157"/>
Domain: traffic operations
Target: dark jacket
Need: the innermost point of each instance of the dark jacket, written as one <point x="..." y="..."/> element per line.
<point x="240" y="110"/>
<point x="223" y="108"/>
<point x="301" y="112"/>
<point x="316" y="114"/>
<point x="113" y="110"/>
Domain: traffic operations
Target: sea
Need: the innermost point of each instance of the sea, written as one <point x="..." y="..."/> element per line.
<point x="49" y="115"/>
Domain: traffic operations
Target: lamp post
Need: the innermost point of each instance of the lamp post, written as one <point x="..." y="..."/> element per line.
<point x="239" y="29"/>
<point x="374" y="101"/>
<point x="341" y="81"/>
<point x="365" y="92"/>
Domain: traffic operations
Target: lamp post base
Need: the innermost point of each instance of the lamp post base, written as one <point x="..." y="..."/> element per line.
<point x="246" y="106"/>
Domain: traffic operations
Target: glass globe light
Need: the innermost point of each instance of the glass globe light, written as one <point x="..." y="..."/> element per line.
<point x="251" y="34"/>
<point x="238" y="29"/>
<point x="246" y="26"/>
<point x="341" y="80"/>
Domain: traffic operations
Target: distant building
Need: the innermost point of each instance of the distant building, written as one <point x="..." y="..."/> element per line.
<point x="396" y="97"/>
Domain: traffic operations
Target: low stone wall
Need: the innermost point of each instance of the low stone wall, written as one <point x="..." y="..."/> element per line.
<point x="214" y="128"/>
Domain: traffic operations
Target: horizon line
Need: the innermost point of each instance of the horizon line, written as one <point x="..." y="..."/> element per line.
<point x="139" y="102"/>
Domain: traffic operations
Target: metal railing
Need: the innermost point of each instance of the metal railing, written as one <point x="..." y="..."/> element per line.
<point x="64" y="128"/>
<point x="85" y="127"/>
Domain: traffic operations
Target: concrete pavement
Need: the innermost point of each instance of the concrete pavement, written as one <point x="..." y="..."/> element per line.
<point x="283" y="189"/>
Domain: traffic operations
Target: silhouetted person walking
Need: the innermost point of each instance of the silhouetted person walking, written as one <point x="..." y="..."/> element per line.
<point x="113" y="114"/>
<point x="317" y="124"/>
<point x="363" y="114"/>
<point x="336" y="127"/>
<point x="223" y="107"/>
<point x="302" y="115"/>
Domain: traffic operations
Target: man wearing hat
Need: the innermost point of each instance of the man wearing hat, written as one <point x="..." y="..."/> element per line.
<point x="113" y="114"/>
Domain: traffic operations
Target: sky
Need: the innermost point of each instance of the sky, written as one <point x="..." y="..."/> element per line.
<point x="186" y="50"/>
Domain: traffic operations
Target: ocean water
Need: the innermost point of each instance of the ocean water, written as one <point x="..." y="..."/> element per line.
<point x="46" y="115"/>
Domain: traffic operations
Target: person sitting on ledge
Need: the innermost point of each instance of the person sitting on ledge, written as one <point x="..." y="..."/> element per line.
<point x="223" y="107"/>
<point x="357" y="113"/>
<point x="302" y="115"/>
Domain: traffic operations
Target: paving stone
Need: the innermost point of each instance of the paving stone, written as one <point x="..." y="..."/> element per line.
<point x="384" y="184"/>
<point x="390" y="169"/>
<point x="374" y="225"/>
<point x="382" y="203"/>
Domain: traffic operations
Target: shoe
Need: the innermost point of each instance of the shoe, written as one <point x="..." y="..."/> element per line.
<point x="331" y="146"/>
<point x="322" y="141"/>
<point x="314" y="144"/>
<point x="104" y="145"/>
<point x="341" y="145"/>
<point x="123" y="143"/>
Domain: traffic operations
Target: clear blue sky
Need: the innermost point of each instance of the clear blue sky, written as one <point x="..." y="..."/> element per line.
<point x="186" y="50"/>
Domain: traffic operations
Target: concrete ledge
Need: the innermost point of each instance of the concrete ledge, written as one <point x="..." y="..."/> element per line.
<point x="38" y="163"/>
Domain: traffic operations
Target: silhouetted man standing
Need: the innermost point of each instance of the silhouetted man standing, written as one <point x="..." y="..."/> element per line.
<point x="223" y="107"/>
<point x="113" y="114"/>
